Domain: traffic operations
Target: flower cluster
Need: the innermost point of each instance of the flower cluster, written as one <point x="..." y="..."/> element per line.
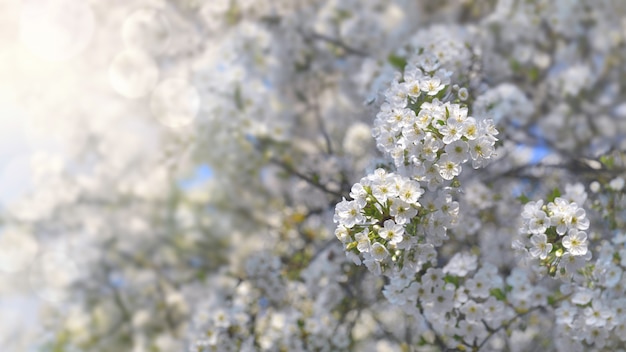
<point x="425" y="132"/>
<point x="555" y="234"/>
<point x="595" y="311"/>
<point x="381" y="220"/>
<point x="388" y="224"/>
<point x="263" y="270"/>
<point x="241" y="314"/>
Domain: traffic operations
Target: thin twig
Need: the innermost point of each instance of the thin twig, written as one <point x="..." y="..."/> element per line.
<point x="322" y="125"/>
<point x="318" y="36"/>
<point x="310" y="180"/>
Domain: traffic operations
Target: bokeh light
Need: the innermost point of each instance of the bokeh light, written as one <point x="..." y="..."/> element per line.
<point x="146" y="29"/>
<point x="175" y="103"/>
<point x="133" y="73"/>
<point x="56" y="30"/>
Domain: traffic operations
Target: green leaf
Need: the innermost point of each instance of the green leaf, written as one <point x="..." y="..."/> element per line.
<point x="397" y="61"/>
<point x="515" y="65"/>
<point x="551" y="233"/>
<point x="555" y="194"/>
<point x="238" y="98"/>
<point x="451" y="279"/>
<point x="523" y="198"/>
<point x="534" y="74"/>
<point x="498" y="294"/>
<point x="201" y="275"/>
<point x="607" y="161"/>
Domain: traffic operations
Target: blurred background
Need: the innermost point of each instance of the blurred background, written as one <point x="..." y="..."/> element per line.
<point x="87" y="88"/>
<point x="144" y="144"/>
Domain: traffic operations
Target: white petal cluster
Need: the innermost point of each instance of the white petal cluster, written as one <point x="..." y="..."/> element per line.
<point x="391" y="224"/>
<point x="555" y="233"/>
<point x="426" y="134"/>
<point x="377" y="221"/>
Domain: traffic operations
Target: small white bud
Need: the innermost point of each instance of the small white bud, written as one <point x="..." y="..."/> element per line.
<point x="463" y="94"/>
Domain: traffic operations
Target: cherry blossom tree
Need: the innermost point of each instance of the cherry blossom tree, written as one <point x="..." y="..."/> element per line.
<point x="326" y="175"/>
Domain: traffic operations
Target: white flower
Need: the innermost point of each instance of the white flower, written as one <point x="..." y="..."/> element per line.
<point x="451" y="131"/>
<point x="463" y="94"/>
<point x="470" y="128"/>
<point x="480" y="149"/>
<point x="612" y="276"/>
<point x="428" y="61"/>
<point x="359" y="194"/>
<point x="458" y="151"/>
<point x="412" y="73"/>
<point x="583" y="296"/>
<point x="473" y="311"/>
<point x="541" y="248"/>
<point x="479" y="286"/>
<point x="597" y="314"/>
<point x="424" y="117"/>
<point x="342" y="234"/>
<point x="575" y="193"/>
<point x="363" y="242"/>
<point x="579" y="219"/>
<point x="565" y="313"/>
<point x="597" y="336"/>
<point x="571" y="263"/>
<point x="410" y="191"/>
<point x="595" y="186"/>
<point x="348" y="214"/>
<point x="575" y="242"/>
<point x="373" y="265"/>
<point x="493" y="311"/>
<point x="433" y="277"/>
<point x="403" y="212"/>
<point x="471" y="331"/>
<point x="457" y="113"/>
<point x="617" y="184"/>
<point x="539" y="222"/>
<point x="391" y="232"/>
<point x="432" y="85"/>
<point x="443" y="298"/>
<point x="530" y="208"/>
<point x="413" y="88"/>
<point x="430" y="147"/>
<point x="461" y="264"/>
<point x="561" y="215"/>
<point x="448" y="168"/>
<point x="384" y="189"/>
<point x="379" y="252"/>
<point x="400" y="118"/>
